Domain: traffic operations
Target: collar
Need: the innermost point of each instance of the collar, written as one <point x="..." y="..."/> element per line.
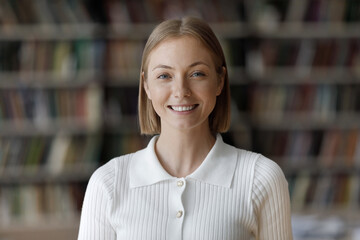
<point x="217" y="168"/>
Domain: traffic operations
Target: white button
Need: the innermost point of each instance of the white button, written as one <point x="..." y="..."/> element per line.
<point x="180" y="183"/>
<point x="179" y="214"/>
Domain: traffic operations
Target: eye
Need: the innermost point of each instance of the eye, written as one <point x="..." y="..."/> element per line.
<point x="197" y="74"/>
<point x="163" y="76"/>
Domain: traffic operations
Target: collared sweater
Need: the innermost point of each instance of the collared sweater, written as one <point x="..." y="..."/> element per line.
<point x="233" y="195"/>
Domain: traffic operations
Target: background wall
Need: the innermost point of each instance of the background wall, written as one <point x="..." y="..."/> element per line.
<point x="68" y="101"/>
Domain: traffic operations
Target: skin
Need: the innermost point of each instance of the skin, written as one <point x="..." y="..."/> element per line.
<point x="181" y="74"/>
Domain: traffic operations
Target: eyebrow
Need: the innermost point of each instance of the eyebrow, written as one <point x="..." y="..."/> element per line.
<point x="199" y="63"/>
<point x="191" y="65"/>
<point x="162" y="66"/>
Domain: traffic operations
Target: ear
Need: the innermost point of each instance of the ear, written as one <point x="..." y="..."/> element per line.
<point x="221" y="82"/>
<point x="145" y="84"/>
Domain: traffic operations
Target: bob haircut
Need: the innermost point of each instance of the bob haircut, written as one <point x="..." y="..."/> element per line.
<point x="219" y="118"/>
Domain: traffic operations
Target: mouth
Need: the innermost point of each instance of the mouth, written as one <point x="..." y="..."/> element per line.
<point x="183" y="108"/>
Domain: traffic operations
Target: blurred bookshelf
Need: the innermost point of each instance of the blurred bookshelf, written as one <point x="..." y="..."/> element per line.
<point x="68" y="101"/>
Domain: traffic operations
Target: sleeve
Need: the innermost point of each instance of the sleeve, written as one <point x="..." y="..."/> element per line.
<point x="271" y="201"/>
<point x="94" y="222"/>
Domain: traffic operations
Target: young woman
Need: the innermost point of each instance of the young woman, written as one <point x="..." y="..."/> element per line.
<point x="187" y="184"/>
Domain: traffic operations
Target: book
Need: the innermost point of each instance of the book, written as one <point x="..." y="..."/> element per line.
<point x="323" y="190"/>
<point x="296" y="11"/>
<point x="57" y="154"/>
<point x="299" y="192"/>
<point x="123" y="59"/>
<point x="8" y="17"/>
<point x="336" y="11"/>
<point x="351" y="11"/>
<point x="33" y="204"/>
<point x="44" y="16"/>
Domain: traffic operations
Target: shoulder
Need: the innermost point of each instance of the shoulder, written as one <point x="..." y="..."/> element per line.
<point x="267" y="171"/>
<point x="104" y="178"/>
<point x="246" y="160"/>
<point x="256" y="164"/>
<point x="262" y="172"/>
<point x="261" y="166"/>
<point x="269" y="182"/>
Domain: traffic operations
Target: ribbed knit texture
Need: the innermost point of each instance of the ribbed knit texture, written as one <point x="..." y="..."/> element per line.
<point x="256" y="206"/>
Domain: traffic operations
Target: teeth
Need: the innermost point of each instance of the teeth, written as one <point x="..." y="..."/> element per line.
<point x="183" y="108"/>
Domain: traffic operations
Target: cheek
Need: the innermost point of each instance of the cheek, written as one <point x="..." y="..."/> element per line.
<point x="158" y="96"/>
<point x="208" y="92"/>
<point x="157" y="90"/>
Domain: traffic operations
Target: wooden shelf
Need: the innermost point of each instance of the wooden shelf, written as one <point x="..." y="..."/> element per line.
<point x="27" y="175"/>
<point x="70" y="126"/>
<point x="301" y="30"/>
<point x="307" y="75"/>
<point x="303" y="120"/>
<point x="49" y="79"/>
<point x="312" y="164"/>
<point x="230" y="30"/>
<point x="140" y="31"/>
<point x="50" y="32"/>
<point x="128" y="31"/>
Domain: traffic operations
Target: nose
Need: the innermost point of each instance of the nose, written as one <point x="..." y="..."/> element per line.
<point x="181" y="88"/>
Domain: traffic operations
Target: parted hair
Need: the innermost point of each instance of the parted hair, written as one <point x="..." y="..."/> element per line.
<point x="219" y="118"/>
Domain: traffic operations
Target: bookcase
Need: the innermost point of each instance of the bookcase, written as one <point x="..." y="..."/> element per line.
<point x="51" y="97"/>
<point x="68" y="98"/>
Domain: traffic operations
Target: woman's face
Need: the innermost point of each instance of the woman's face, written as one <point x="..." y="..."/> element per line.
<point x="182" y="83"/>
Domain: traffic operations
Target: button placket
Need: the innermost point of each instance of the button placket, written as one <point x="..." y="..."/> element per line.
<point x="181" y="187"/>
<point x="176" y="207"/>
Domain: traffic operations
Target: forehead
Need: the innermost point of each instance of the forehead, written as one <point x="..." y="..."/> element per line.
<point x="180" y="49"/>
<point x="179" y="40"/>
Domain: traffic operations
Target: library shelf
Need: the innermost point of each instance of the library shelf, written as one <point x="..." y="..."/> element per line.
<point x="48" y="79"/>
<point x="317" y="165"/>
<point x="139" y="31"/>
<point x="48" y="126"/>
<point x="303" y="120"/>
<point x="27" y="32"/>
<point x="291" y="75"/>
<point x="128" y="31"/>
<point x="231" y="30"/>
<point x="310" y="30"/>
<point x="79" y="172"/>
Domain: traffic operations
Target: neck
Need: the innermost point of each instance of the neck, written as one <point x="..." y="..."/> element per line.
<point x="181" y="153"/>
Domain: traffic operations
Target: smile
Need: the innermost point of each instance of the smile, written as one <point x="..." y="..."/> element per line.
<point x="183" y="108"/>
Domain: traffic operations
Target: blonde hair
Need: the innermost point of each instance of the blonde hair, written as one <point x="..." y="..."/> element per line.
<point x="219" y="119"/>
